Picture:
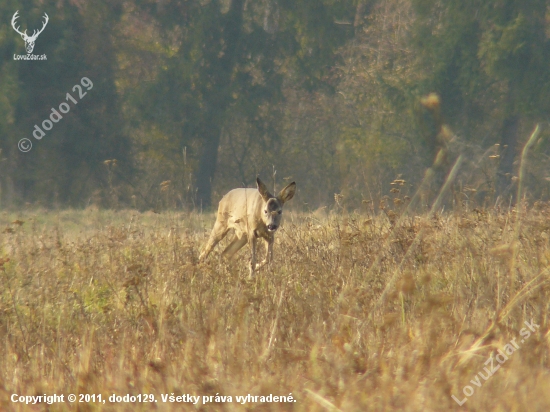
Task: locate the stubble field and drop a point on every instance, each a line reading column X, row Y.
column 356, row 313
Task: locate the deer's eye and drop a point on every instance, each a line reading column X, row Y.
column 280, row 212
column 265, row 211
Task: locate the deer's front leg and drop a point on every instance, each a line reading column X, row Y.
column 252, row 242
column 268, row 253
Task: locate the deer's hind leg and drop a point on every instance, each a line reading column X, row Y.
column 218, row 233
column 236, row 244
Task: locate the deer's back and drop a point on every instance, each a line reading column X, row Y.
column 241, row 208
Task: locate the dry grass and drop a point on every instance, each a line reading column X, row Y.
column 114, row 303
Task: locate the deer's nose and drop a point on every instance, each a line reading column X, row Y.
column 272, row 227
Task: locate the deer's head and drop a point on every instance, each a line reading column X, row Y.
column 273, row 206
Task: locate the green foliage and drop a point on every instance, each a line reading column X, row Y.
column 505, row 49
column 208, row 94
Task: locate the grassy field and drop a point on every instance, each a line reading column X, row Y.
column 356, row 313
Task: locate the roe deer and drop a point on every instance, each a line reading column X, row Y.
column 252, row 214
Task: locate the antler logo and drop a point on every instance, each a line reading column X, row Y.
column 29, row 40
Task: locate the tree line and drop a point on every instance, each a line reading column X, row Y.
column 191, row 98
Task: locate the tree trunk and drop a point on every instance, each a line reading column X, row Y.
column 218, row 100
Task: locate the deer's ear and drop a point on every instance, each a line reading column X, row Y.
column 287, row 193
column 262, row 188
